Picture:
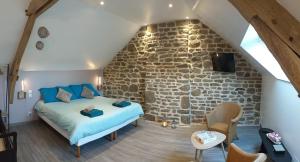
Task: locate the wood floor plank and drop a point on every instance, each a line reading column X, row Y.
column 146, row 143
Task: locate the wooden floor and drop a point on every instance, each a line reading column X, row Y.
column 37, row 142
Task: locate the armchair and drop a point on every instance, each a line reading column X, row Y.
column 224, row 118
column 235, row 154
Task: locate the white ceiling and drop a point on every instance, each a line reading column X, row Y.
column 147, row 11
column 86, row 35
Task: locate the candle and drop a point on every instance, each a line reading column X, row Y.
column 164, row 123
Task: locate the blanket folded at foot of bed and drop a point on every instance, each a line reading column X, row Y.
column 92, row 113
column 121, row 104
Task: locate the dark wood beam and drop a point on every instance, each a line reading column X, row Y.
column 276, row 17
column 35, row 9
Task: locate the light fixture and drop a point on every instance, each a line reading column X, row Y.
column 22, row 86
column 99, row 84
column 187, row 17
column 22, row 93
column 170, row 5
column 101, row 3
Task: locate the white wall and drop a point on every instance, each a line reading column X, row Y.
column 280, row 111
column 38, row 79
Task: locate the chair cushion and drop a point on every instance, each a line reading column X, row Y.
column 219, row 127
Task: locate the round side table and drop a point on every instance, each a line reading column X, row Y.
column 201, row 147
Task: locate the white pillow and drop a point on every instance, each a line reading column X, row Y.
column 64, row 95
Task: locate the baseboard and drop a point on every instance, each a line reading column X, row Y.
column 22, row 123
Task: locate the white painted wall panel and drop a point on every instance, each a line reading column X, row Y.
column 280, row 111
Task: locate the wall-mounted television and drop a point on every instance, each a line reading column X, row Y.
column 223, row 62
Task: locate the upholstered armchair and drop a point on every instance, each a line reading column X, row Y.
column 235, row 154
column 224, row 118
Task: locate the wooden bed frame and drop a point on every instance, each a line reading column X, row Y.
column 112, row 131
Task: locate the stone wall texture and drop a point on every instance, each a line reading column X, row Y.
column 167, row 68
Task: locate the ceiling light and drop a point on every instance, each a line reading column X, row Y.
column 101, row 3
column 170, row 5
column 187, row 17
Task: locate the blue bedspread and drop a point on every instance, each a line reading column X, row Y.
column 67, row 116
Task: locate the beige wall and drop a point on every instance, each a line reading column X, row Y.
column 35, row 80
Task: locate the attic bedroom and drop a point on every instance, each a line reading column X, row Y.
column 149, row 80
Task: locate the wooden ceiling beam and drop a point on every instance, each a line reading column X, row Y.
column 44, row 8
column 35, row 9
column 279, row 30
column 276, row 17
column 34, row 6
column 289, row 61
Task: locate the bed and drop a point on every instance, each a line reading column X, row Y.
column 66, row 119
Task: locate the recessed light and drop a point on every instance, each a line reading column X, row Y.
column 187, row 17
column 170, row 5
column 101, row 3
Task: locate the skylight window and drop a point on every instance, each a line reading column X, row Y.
column 259, row 51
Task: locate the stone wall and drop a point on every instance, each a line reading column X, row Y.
column 167, row 68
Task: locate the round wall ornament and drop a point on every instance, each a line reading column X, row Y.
column 43, row 32
column 39, row 45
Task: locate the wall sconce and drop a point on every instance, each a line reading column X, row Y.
column 99, row 83
column 22, row 93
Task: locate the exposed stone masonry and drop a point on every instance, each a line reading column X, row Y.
column 167, row 68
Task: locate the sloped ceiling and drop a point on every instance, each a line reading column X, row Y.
column 82, row 36
column 12, row 20
column 86, row 35
column 225, row 19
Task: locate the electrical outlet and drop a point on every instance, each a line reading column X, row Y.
column 29, row 114
column 30, row 93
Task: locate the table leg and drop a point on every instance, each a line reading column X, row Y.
column 223, row 150
column 200, row 155
column 196, row 153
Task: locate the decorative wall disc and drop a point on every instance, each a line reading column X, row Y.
column 43, row 32
column 39, row 45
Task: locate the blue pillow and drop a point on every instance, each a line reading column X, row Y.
column 91, row 87
column 68, row 89
column 77, row 89
column 49, row 94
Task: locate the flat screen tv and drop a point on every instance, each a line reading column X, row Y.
column 223, row 62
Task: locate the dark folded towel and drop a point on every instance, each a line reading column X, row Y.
column 92, row 113
column 121, row 104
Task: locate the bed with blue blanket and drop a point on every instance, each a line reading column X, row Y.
column 79, row 129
